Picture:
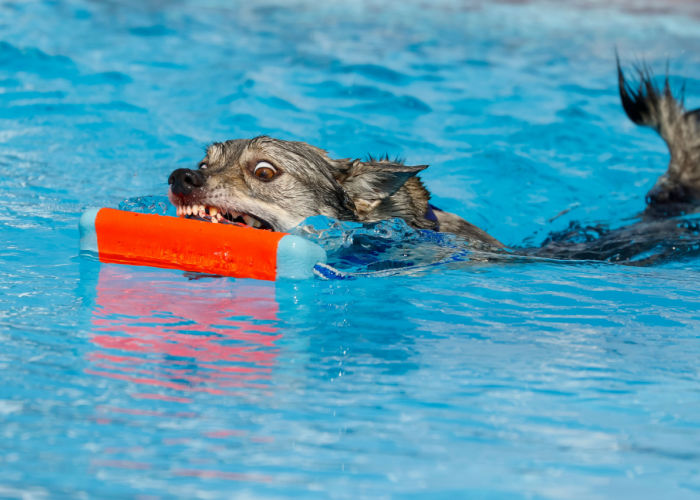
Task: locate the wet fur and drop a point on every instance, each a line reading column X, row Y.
column 311, row 183
column 658, row 234
column 678, row 190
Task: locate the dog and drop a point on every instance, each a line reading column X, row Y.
column 276, row 184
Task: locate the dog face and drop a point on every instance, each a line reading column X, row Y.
column 274, row 184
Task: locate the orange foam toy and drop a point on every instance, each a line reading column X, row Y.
column 122, row 237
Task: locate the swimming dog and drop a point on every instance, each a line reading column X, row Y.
column 275, row 184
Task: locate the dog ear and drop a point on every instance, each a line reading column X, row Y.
column 369, row 183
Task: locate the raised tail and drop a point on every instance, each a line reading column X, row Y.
column 678, row 190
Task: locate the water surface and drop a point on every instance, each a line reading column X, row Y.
column 527, row 380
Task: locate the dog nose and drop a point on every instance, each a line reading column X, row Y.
column 183, row 180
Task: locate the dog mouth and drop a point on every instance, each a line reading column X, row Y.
column 221, row 215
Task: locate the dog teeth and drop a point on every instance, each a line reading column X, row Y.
column 250, row 221
column 216, row 214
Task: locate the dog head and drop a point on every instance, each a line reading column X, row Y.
column 275, row 184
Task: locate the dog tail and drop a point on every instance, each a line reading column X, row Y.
column 659, row 109
column 650, row 106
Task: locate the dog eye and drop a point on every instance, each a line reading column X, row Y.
column 203, row 165
column 264, row 171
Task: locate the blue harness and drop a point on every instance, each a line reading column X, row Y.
column 430, row 215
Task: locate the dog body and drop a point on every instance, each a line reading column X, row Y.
column 275, row 184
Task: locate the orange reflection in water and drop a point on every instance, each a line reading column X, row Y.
column 176, row 337
column 170, row 340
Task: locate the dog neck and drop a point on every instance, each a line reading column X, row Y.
column 410, row 202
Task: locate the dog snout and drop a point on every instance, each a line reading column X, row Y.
column 184, row 180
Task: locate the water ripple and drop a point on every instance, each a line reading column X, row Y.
column 523, row 378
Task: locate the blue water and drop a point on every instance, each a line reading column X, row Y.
column 505, row 380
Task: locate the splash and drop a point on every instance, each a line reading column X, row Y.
column 386, row 248
column 159, row 205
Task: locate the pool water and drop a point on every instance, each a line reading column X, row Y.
column 536, row 379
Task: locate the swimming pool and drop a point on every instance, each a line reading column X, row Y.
column 530, row 380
